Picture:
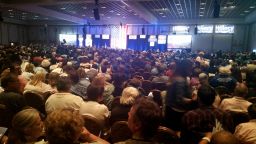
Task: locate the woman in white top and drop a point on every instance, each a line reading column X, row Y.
column 37, row 84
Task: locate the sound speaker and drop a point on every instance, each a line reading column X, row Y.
column 216, row 10
column 196, row 30
column 96, row 14
column 143, row 31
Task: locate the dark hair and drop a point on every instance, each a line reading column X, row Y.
column 183, row 67
column 63, row 83
column 206, row 95
column 94, row 91
column 148, row 114
column 252, row 111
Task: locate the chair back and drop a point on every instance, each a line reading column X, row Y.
column 35, row 100
column 5, row 116
column 92, row 124
column 166, row 136
column 120, row 131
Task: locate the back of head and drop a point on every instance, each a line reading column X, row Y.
column 252, row 111
column 38, row 77
column 63, row 84
column 203, row 78
column 147, row 113
column 94, row 92
column 183, row 67
column 8, row 82
column 241, row 90
column 206, row 95
column 63, row 126
column 224, row 137
column 129, row 95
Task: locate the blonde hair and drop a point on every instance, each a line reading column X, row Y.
column 63, row 126
column 25, row 119
column 37, row 78
column 129, row 95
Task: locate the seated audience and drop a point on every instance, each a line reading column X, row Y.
column 203, row 119
column 29, row 72
column 66, row 127
column 37, row 84
column 27, row 127
column 81, row 84
column 143, row 121
column 238, row 102
column 246, row 132
column 63, row 98
column 121, row 108
column 93, row 107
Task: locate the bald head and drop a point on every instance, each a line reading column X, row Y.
column 224, row 137
column 241, row 90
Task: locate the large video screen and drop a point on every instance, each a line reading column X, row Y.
column 161, row 39
column 67, row 39
column 179, row 41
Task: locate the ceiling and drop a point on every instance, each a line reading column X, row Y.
column 123, row 11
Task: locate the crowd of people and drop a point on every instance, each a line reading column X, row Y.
column 203, row 97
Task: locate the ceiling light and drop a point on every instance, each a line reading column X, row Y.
column 10, row 10
column 225, row 7
column 10, row 13
column 24, row 13
column 63, row 8
column 124, row 17
column 202, row 3
column 84, row 7
column 36, row 16
column 252, row 7
column 163, row 16
column 177, row 4
column 111, row 11
column 135, row 14
column 91, row 17
column 232, row 6
column 161, row 13
column 103, row 7
column 83, row 15
column 246, row 11
column 201, row 15
column 118, row 14
column 202, row 8
column 108, row 17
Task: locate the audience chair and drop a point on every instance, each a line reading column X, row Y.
column 93, row 125
column 35, row 100
column 239, row 117
column 120, row 131
column 5, row 116
column 165, row 135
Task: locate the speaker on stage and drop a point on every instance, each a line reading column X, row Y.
column 216, row 10
column 143, row 31
column 96, row 14
column 196, row 30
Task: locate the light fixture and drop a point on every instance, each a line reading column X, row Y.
column 36, row 16
column 252, row 7
column 103, row 7
column 232, row 6
column 91, row 17
column 161, row 13
column 111, row 11
column 124, row 17
column 84, row 7
column 83, row 15
column 225, row 7
column 63, row 8
column 10, row 10
column 108, row 17
column 135, row 14
column 118, row 14
column 246, row 11
column 201, row 15
column 24, row 13
column 163, row 16
column 177, row 4
column 202, row 3
column 202, row 8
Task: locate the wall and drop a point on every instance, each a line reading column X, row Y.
column 12, row 33
column 243, row 39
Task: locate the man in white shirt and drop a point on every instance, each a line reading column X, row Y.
column 63, row 98
column 92, row 106
column 237, row 103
